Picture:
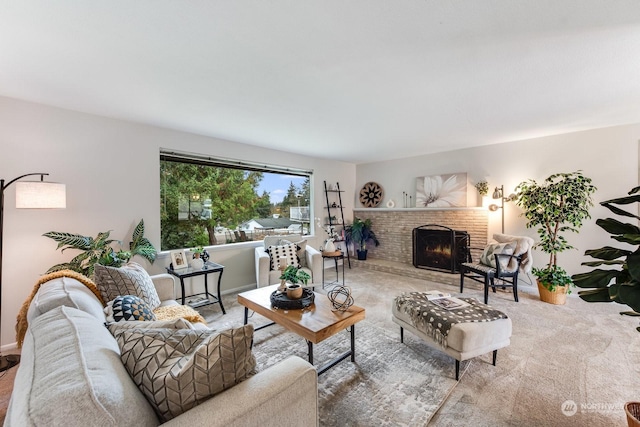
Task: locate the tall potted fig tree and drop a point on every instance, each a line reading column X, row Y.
column 557, row 205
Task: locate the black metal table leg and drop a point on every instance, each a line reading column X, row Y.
column 219, row 296
column 182, row 286
column 310, row 345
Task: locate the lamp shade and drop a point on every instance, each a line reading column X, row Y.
column 40, row 195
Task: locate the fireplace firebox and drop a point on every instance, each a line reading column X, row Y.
column 436, row 247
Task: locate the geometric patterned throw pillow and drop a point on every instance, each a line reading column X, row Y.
column 130, row 279
column 284, row 251
column 506, row 264
column 177, row 369
column 128, row 307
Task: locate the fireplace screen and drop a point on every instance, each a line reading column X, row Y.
column 436, row 247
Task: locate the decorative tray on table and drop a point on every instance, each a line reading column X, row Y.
column 280, row 300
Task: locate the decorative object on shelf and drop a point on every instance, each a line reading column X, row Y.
column 438, row 191
column 406, row 199
column 98, row 250
column 498, row 193
column 360, row 233
column 205, row 255
column 340, row 298
column 558, row 204
column 619, row 283
column 178, row 260
column 282, row 301
column 391, row 204
column 29, row 195
column 482, row 187
column 371, row 195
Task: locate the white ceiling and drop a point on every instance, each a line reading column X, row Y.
column 353, row 80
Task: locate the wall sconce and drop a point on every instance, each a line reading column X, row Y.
column 498, row 193
column 29, row 195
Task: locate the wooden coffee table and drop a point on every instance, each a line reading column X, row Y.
column 314, row 323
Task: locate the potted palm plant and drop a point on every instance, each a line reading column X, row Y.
column 557, row 205
column 621, row 281
column 360, row 233
column 100, row 250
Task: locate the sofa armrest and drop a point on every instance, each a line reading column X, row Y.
column 263, row 262
column 264, row 399
column 314, row 263
column 165, row 286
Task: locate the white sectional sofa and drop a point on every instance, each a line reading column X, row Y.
column 71, row 374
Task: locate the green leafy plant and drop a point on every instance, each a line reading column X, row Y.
column 558, row 205
column 100, row 250
column 198, row 250
column 482, row 187
column 294, row 275
column 621, row 283
column 360, row 233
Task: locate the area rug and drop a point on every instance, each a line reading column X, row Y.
column 390, row 384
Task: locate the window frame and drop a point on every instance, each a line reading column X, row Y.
column 244, row 165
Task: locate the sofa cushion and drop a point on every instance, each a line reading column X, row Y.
column 289, row 252
column 130, row 279
column 65, row 291
column 177, row 369
column 71, row 372
column 128, row 307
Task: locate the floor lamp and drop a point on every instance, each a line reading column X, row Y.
column 498, row 193
column 29, row 195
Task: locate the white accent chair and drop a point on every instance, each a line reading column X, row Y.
column 312, row 262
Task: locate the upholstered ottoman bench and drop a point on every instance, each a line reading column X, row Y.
column 462, row 333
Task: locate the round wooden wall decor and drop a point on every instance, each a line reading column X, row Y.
column 371, row 195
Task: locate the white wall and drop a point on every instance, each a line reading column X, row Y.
column 111, row 169
column 609, row 156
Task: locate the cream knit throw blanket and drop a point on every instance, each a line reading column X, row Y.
column 162, row 313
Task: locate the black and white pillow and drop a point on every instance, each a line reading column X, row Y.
column 289, row 252
column 128, row 307
column 301, row 248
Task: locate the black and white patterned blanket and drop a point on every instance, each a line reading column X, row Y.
column 437, row 321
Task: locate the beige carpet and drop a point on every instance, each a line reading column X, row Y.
column 582, row 353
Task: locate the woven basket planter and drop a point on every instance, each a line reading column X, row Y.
column 558, row 297
column 632, row 410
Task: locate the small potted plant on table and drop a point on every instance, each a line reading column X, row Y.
column 557, row 205
column 294, row 276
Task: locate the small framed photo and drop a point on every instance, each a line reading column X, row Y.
column 179, row 259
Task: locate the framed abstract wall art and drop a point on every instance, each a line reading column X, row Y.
column 441, row 191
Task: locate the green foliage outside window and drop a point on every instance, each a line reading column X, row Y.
column 198, row 201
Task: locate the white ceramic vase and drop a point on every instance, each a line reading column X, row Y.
column 197, row 263
column 329, row 246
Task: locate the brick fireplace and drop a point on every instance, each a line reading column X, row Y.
column 394, row 228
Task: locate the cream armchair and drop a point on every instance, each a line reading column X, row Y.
column 312, row 262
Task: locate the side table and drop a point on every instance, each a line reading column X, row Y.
column 335, row 256
column 208, row 268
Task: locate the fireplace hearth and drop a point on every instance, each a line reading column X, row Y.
column 436, row 247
